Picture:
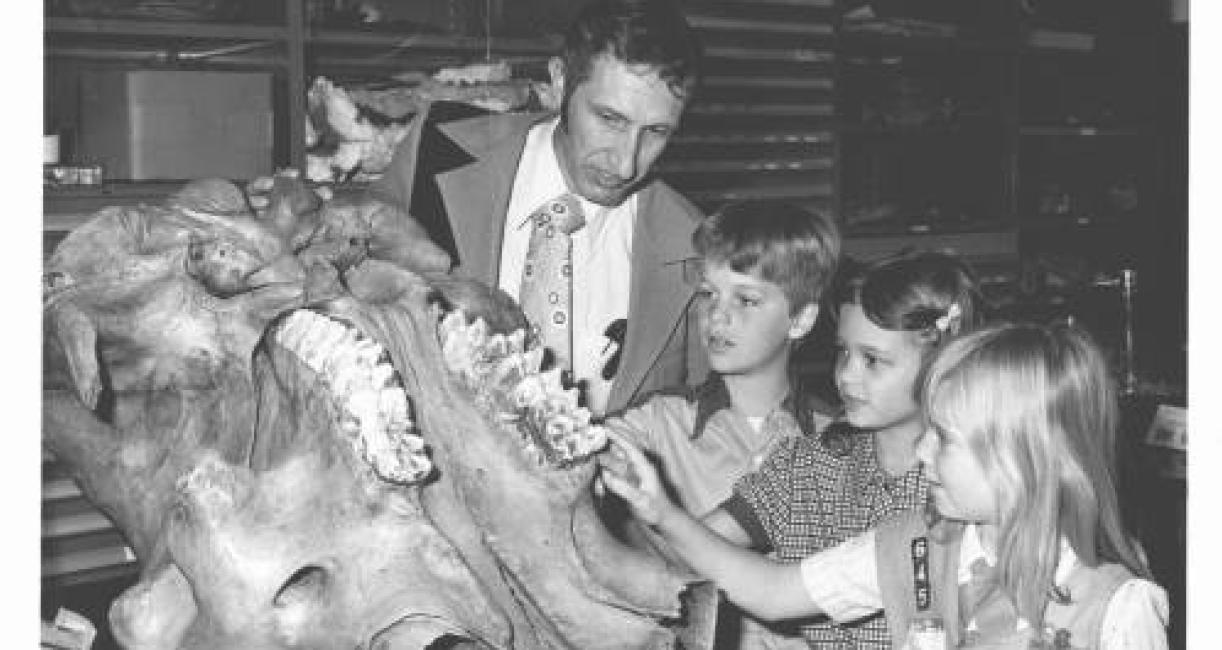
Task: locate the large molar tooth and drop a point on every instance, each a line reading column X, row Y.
column 294, row 327
column 340, row 352
column 415, row 467
column 351, row 369
column 374, row 414
column 363, row 404
column 392, row 404
column 516, row 341
column 478, row 333
column 347, row 377
column 309, row 348
column 332, row 338
column 319, row 344
column 349, row 425
column 451, row 323
column 381, row 374
column 367, row 351
column 408, row 440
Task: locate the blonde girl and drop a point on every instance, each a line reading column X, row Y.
column 1024, row 526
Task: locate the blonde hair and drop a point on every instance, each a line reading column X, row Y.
column 1038, row 409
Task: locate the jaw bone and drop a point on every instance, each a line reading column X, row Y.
column 373, row 406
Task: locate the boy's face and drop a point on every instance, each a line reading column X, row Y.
column 875, row 372
column 745, row 321
column 616, row 124
column 959, row 484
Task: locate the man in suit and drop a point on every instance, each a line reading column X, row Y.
column 625, row 76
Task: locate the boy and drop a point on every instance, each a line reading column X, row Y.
column 764, row 266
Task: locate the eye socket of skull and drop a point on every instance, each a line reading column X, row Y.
column 306, row 584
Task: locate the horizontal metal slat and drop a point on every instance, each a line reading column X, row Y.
column 731, row 165
column 80, row 561
column 812, row 190
column 748, row 4
column 972, row 244
column 60, row 488
column 740, row 81
column 76, row 524
column 810, row 110
column 788, row 137
column 769, row 54
column 448, row 43
column 167, row 29
column 722, row 23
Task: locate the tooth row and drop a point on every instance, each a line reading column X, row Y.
column 552, row 423
column 374, row 407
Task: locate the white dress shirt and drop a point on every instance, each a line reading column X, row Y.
column 602, row 251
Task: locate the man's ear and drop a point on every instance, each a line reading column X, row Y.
column 801, row 323
column 555, row 71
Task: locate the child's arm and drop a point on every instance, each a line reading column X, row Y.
column 725, row 525
column 763, row 587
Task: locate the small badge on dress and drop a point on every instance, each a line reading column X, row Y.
column 925, row 632
column 920, row 573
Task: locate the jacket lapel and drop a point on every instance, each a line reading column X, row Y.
column 661, row 255
column 476, row 195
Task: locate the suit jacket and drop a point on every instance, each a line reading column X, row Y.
column 454, row 172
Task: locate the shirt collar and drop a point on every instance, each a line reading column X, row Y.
column 539, row 157
column 713, row 396
column 540, row 162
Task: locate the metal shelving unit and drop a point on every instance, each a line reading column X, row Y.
column 760, row 126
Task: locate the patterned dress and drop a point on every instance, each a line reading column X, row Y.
column 814, row 492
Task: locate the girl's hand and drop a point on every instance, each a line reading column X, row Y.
column 627, row 472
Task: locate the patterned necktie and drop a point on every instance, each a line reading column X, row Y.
column 547, row 277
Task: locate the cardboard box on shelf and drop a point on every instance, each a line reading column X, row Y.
column 176, row 124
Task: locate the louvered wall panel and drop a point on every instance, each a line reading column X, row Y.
column 762, row 123
column 79, row 544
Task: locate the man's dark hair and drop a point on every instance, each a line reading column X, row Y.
column 645, row 32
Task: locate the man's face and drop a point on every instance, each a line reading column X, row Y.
column 616, row 124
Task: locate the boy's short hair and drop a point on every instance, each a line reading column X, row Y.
column 789, row 246
column 653, row 33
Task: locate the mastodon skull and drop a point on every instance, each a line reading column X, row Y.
column 314, row 436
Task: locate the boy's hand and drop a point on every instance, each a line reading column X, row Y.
column 627, row 472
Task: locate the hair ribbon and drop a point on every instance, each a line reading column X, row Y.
column 949, row 319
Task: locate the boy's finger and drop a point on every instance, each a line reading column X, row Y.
column 616, row 484
column 621, row 442
column 629, row 493
column 612, row 464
